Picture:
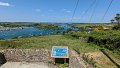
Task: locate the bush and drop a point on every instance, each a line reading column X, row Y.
column 65, row 65
column 109, row 39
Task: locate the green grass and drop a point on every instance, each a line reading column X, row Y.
column 48, row 42
column 83, row 25
column 89, row 24
column 114, row 56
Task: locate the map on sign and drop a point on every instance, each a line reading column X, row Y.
column 59, row 52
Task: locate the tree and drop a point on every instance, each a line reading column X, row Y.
column 68, row 30
column 112, row 21
column 117, row 18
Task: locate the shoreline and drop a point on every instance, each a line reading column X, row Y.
column 10, row 28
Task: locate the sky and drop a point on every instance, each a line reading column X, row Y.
column 57, row 11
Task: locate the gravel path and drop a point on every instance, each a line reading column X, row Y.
column 24, row 65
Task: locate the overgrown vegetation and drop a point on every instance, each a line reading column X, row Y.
column 108, row 39
column 47, row 26
column 116, row 20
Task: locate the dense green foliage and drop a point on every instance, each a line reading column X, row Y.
column 109, row 39
column 47, row 26
column 116, row 27
column 116, row 20
column 77, row 34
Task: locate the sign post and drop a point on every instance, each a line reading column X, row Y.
column 60, row 52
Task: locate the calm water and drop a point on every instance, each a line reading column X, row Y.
column 30, row 31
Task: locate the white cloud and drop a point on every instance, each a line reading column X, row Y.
column 37, row 10
column 4, row 4
column 68, row 11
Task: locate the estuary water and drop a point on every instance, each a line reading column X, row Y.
column 31, row 31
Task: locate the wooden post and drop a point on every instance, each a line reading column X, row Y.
column 49, row 54
column 54, row 60
column 64, row 60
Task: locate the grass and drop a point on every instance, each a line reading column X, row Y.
column 89, row 24
column 48, row 42
column 62, row 40
column 114, row 56
column 86, row 24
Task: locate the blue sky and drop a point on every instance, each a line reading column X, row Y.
column 55, row 10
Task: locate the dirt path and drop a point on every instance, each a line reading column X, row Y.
column 24, row 65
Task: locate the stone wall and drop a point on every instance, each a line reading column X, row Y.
column 26, row 55
column 39, row 55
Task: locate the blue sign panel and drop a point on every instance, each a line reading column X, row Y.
column 60, row 52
